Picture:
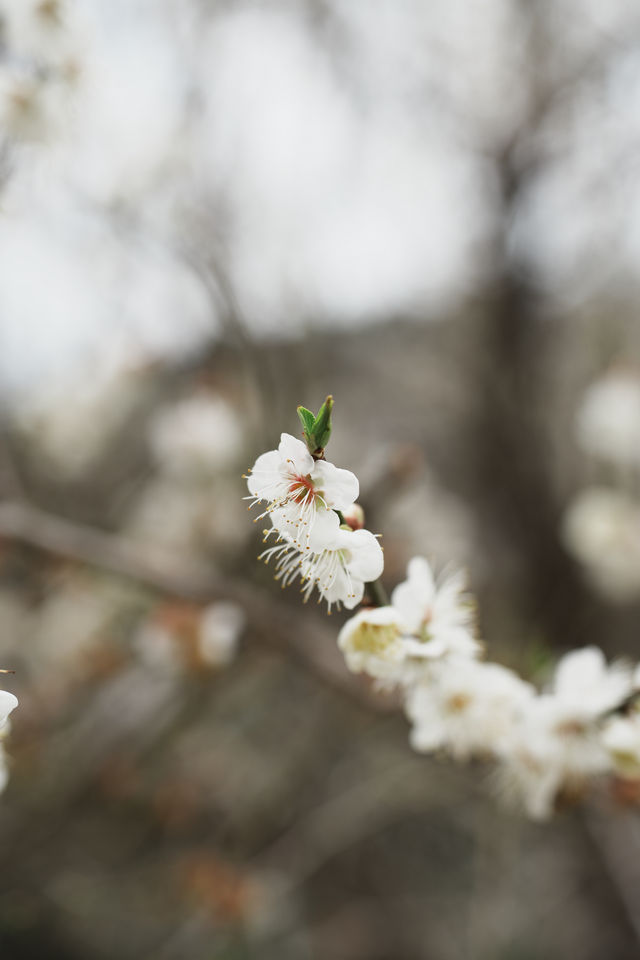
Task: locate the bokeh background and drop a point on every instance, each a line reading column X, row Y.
column 213, row 211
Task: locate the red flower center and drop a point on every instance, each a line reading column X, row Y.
column 301, row 488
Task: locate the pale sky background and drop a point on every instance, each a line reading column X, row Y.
column 337, row 157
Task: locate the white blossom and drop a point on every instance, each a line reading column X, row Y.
column 621, row 737
column 558, row 741
column 198, row 434
column 8, row 702
column 438, row 618
column 601, row 528
column 339, row 570
column 424, row 624
column 585, row 686
column 468, row 707
column 302, row 490
column 372, row 643
column 608, row 422
column 219, row 632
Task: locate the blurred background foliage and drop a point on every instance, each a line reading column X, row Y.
column 210, row 213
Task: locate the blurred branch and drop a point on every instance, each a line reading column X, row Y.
column 617, row 842
column 29, row 525
column 10, row 479
column 361, row 811
column 271, row 622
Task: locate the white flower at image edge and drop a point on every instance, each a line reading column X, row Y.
column 301, row 490
column 438, row 618
column 4, row 769
column 621, row 737
column 608, row 421
column 559, row 741
column 8, row 702
column 339, row 571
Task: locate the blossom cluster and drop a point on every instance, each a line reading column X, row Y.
column 39, row 67
column 543, row 743
column 306, row 500
column 601, row 525
column 423, row 643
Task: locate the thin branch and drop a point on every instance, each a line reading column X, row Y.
column 271, row 622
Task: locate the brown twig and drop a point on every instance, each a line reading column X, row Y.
column 271, row 622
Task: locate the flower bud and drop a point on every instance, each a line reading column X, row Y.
column 354, row 516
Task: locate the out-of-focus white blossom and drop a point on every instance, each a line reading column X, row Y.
column 198, row 435
column 585, row 686
column 439, row 618
column 67, row 625
column 608, row 421
column 621, row 737
column 424, row 624
column 468, row 707
column 71, row 426
column 219, row 631
column 301, row 493
column 157, row 647
column 8, row 702
column 42, row 31
column 372, row 643
column 558, row 741
column 601, row 528
column 41, row 61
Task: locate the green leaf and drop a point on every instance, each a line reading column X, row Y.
column 307, row 419
column 321, row 430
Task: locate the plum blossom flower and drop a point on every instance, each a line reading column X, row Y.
column 219, row 632
column 601, row 528
column 339, row 570
column 469, row 707
column 621, row 737
column 424, row 624
column 608, row 422
column 585, row 686
column 437, row 618
column 558, row 741
column 372, row 643
column 300, row 492
column 198, row 435
column 8, row 702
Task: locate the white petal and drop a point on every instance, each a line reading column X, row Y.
column 579, row 669
column 266, row 475
column 7, row 703
column 317, row 535
column 339, row 487
column 425, row 651
column 324, row 529
column 420, row 575
column 295, row 453
column 429, row 730
column 339, row 590
column 367, row 559
column 414, row 596
column 357, row 593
